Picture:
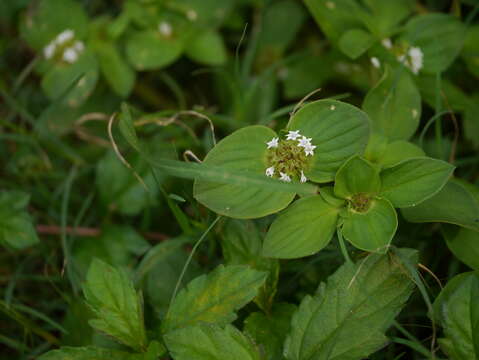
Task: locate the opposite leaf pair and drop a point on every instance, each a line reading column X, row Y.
column 361, row 204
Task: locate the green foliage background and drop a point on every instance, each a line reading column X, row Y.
column 116, row 243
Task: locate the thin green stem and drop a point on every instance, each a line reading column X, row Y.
column 342, row 246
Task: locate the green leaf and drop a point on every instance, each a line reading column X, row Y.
column 117, row 306
column 394, row 105
column 339, row 130
column 398, row 151
column 127, row 127
column 356, row 176
column 386, row 15
column 120, row 189
column 269, row 330
column 119, row 75
column 302, row 229
column 150, row 50
column 454, row 204
column 347, row 317
column 413, row 181
column 79, row 79
column 470, row 50
column 463, row 243
column 242, row 243
column 458, row 311
column 48, row 18
column 335, row 17
column 242, row 151
column 214, row 298
column 95, row 353
column 210, row 342
column 355, row 42
column 16, row 226
column 207, row 48
column 471, row 122
column 373, row 229
column 439, row 36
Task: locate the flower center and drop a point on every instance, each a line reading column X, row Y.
column 360, row 202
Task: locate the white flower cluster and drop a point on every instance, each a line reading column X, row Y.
column 165, row 29
column 413, row 59
column 71, row 53
column 303, row 142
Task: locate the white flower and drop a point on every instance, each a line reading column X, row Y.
column 387, row 43
column 192, row 15
column 65, row 36
column 79, row 46
column 309, row 150
column 416, row 56
column 70, row 55
column 49, row 50
column 304, row 142
column 375, row 62
column 293, row 135
column 165, row 29
column 270, row 171
column 284, row 177
column 273, row 143
column 303, row 177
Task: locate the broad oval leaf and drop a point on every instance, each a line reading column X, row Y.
column 357, row 175
column 464, row 244
column 210, row 342
column 372, row 230
column 355, row 42
column 302, row 229
column 394, row 105
column 148, row 50
column 413, row 181
column 242, row 151
column 347, row 317
column 439, row 36
column 207, row 48
column 338, row 130
column 398, row 151
column 457, row 309
column 454, row 204
column 214, row 298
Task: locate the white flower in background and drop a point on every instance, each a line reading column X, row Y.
column 293, row 135
column 49, row 50
column 70, row 55
column 413, row 59
column 65, row 36
column 165, row 29
column 192, row 15
column 303, row 177
column 270, row 171
column 387, row 43
column 284, row 177
column 79, row 46
column 273, row 143
column 375, row 62
column 309, row 150
column 416, row 55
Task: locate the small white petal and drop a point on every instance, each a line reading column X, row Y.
column 165, row 29
column 303, row 177
column 284, row 177
column 70, row 55
column 304, row 142
column 270, row 171
column 273, row 143
column 65, row 36
column 293, row 135
column 387, row 43
column 309, row 150
column 49, row 50
column 375, row 62
column 332, row 107
column 416, row 57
